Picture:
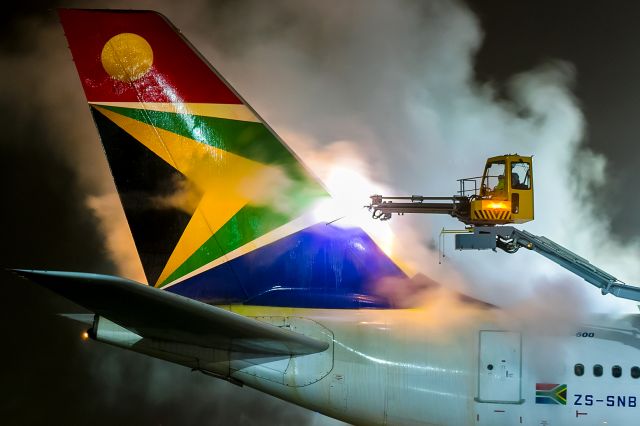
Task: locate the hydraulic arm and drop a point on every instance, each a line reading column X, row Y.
column 384, row 207
column 511, row 239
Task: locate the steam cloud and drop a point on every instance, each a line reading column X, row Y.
column 396, row 81
column 117, row 236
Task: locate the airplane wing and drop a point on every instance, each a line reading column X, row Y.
column 154, row 313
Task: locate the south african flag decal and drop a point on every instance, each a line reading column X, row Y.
column 551, row 393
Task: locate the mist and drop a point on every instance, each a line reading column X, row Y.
column 385, row 88
column 396, row 87
column 397, row 83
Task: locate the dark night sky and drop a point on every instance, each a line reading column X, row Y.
column 600, row 39
column 48, row 373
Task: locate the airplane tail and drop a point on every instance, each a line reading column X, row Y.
column 220, row 209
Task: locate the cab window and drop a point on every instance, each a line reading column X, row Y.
column 520, row 175
column 493, row 180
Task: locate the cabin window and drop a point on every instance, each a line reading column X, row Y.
column 616, row 371
column 578, row 369
column 520, row 175
column 635, row 372
column 493, row 180
column 597, row 370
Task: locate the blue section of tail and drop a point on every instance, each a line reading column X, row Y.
column 323, row 266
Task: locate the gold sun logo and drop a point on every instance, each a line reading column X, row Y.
column 127, row 57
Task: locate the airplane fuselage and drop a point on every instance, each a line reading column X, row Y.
column 414, row 367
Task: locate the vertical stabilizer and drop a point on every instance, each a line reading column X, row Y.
column 219, row 208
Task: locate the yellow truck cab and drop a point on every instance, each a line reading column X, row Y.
column 506, row 191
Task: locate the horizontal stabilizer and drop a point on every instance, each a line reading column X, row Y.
column 86, row 319
column 158, row 314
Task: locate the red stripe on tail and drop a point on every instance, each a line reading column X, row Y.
column 177, row 72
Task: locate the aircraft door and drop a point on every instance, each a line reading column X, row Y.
column 499, row 367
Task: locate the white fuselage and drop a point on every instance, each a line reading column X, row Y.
column 398, row 367
column 423, row 367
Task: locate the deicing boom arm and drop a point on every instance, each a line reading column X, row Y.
column 383, row 207
column 511, row 239
column 606, row 282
